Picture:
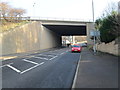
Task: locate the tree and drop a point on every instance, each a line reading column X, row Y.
column 109, row 25
column 4, row 9
column 16, row 13
column 8, row 11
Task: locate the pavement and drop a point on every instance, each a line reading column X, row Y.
column 96, row 71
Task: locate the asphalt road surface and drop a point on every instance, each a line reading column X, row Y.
column 50, row 69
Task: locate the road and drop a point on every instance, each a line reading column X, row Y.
column 50, row 69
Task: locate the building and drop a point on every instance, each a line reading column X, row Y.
column 73, row 39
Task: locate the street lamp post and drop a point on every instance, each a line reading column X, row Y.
column 34, row 9
column 94, row 30
column 93, row 10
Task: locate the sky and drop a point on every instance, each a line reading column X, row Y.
column 61, row 9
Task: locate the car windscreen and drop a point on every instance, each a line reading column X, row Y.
column 75, row 46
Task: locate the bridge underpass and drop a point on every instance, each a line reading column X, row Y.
column 67, row 30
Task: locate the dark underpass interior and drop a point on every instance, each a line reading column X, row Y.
column 67, row 30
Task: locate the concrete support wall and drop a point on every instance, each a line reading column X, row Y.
column 29, row 37
column 90, row 26
column 49, row 39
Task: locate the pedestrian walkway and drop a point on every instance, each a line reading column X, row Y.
column 96, row 71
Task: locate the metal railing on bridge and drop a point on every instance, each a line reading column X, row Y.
column 43, row 18
column 60, row 19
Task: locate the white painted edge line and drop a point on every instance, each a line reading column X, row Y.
column 13, row 68
column 5, row 65
column 75, row 78
column 42, row 58
column 29, row 61
column 31, row 68
column 53, row 57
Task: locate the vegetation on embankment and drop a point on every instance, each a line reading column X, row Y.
column 6, row 26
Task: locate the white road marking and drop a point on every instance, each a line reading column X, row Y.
column 30, row 56
column 62, row 53
column 29, row 61
column 31, row 68
column 53, row 57
column 42, row 58
column 13, row 68
column 5, row 65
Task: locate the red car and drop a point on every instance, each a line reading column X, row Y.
column 76, row 48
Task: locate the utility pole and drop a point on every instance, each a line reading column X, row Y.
column 94, row 30
column 34, row 9
column 93, row 10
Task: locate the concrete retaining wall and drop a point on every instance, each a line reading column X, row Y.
column 90, row 26
column 111, row 48
column 29, row 37
column 49, row 39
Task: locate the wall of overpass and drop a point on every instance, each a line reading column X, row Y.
column 29, row 37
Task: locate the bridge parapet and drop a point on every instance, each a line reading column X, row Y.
column 57, row 22
column 60, row 19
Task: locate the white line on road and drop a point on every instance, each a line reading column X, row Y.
column 53, row 57
column 13, row 68
column 75, row 77
column 5, row 65
column 42, row 58
column 62, row 53
column 29, row 61
column 31, row 68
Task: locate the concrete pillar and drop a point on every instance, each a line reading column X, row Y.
column 90, row 26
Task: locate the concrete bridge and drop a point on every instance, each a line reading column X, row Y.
column 41, row 34
column 69, row 28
